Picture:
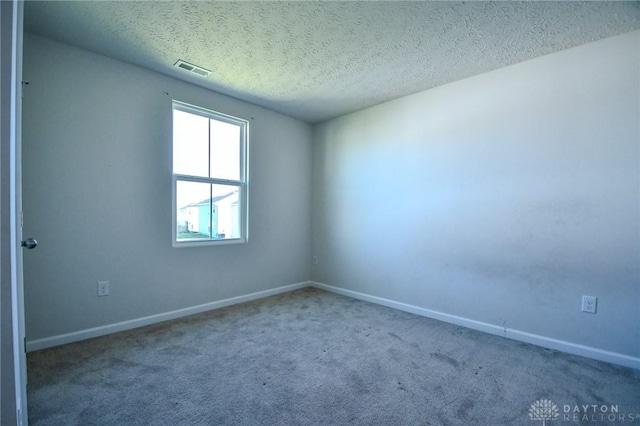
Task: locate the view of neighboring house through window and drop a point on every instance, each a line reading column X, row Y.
column 209, row 176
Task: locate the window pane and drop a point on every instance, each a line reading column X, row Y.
column 190, row 144
column 225, row 150
column 226, row 211
column 193, row 211
column 207, row 211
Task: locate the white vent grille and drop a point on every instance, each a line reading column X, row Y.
column 202, row 72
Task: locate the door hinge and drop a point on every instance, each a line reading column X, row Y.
column 21, row 219
column 25, row 344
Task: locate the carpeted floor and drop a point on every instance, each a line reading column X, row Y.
column 315, row 358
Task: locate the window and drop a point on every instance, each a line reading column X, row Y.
column 209, row 177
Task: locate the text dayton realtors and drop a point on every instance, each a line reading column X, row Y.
column 596, row 413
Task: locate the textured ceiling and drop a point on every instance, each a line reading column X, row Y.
column 318, row 60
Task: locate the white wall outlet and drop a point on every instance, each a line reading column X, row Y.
column 314, row 260
column 103, row 288
column 589, row 304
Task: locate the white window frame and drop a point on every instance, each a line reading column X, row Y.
column 242, row 183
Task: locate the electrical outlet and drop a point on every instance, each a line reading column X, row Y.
column 103, row 288
column 589, row 304
column 314, row 260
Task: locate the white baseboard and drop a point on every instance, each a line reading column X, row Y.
column 521, row 336
column 77, row 336
column 547, row 342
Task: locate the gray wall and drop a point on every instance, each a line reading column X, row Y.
column 501, row 198
column 97, row 195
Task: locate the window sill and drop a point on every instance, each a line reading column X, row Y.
column 208, row 243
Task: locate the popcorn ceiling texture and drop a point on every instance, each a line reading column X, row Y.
column 319, row 60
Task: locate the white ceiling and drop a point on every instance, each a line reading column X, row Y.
column 317, row 60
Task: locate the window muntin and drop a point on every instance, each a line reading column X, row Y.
column 209, row 177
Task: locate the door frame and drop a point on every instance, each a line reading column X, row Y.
column 15, row 159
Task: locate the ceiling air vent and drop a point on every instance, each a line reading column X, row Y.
column 202, row 72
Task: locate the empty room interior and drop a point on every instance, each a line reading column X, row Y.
column 435, row 218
